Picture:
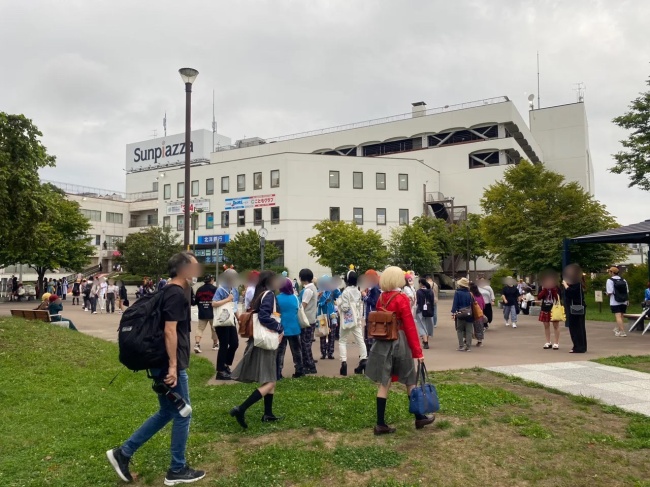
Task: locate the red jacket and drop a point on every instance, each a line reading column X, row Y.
column 401, row 305
column 549, row 294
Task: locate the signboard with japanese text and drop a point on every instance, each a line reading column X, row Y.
column 244, row 202
column 178, row 207
column 212, row 239
column 599, row 296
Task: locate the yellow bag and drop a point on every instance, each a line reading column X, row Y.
column 557, row 312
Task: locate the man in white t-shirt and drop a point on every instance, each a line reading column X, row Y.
column 488, row 296
column 617, row 288
column 253, row 277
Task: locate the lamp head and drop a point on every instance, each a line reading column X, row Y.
column 188, row 74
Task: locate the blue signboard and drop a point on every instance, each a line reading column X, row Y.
column 212, row 239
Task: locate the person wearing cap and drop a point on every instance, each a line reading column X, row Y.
column 55, row 307
column 464, row 326
column 253, row 278
column 617, row 287
column 203, row 299
column 510, row 297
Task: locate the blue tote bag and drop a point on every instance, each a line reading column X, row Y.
column 424, row 397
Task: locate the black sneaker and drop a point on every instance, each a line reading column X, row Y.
column 120, row 463
column 223, row 376
column 185, row 475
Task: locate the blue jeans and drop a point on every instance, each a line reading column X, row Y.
column 510, row 312
column 166, row 413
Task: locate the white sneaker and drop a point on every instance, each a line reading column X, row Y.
column 507, row 324
column 622, row 334
column 215, row 347
column 617, row 333
column 514, row 325
column 197, row 348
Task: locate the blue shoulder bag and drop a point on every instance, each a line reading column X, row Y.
column 424, row 397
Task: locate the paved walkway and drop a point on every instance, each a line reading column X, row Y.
column 625, row 388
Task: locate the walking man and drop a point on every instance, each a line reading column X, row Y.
column 510, row 297
column 183, row 267
column 309, row 301
column 619, row 295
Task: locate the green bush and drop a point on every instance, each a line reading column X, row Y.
column 637, row 279
column 496, row 281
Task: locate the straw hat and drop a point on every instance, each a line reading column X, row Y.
column 463, row 282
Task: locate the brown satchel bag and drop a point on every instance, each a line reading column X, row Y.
column 246, row 324
column 383, row 325
column 476, row 310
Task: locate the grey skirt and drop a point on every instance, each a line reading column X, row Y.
column 425, row 325
column 257, row 365
column 391, row 358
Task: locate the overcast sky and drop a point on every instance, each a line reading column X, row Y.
column 97, row 75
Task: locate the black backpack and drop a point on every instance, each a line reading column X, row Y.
column 620, row 290
column 141, row 335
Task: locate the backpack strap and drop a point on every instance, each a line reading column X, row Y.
column 381, row 298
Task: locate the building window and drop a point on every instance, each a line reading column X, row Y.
column 403, row 217
column 112, row 241
column 275, row 215
column 335, row 177
column 180, row 223
column 209, row 186
column 98, row 239
column 335, row 213
column 357, row 215
column 241, row 182
column 167, row 221
column 152, row 220
column 275, row 178
column 113, row 217
column 167, row 191
column 241, row 218
column 381, row 180
column 225, row 219
column 225, row 184
column 209, row 221
column 195, row 188
column 257, row 180
column 357, row 180
column 403, row 182
column 92, row 215
column 257, row 216
column 381, row 216
column 180, row 190
column 154, row 187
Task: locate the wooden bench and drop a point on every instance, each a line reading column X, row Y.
column 638, row 320
column 38, row 315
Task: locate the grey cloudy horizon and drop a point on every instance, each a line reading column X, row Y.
column 95, row 76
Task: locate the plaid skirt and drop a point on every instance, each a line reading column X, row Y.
column 257, row 365
column 389, row 360
column 544, row 316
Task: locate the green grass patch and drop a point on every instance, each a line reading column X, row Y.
column 362, row 459
column 639, row 363
column 461, row 432
column 466, row 400
column 443, row 424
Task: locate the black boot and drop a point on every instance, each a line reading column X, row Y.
column 344, row 369
column 362, row 367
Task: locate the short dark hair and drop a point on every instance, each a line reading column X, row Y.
column 178, row 261
column 423, row 282
column 351, row 278
column 306, row 275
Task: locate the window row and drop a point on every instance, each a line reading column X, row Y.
column 258, row 218
column 96, row 216
column 225, row 185
column 380, row 180
column 357, row 215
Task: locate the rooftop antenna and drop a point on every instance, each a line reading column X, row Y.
column 154, row 133
column 580, row 91
column 539, row 96
column 531, row 103
column 214, row 121
column 165, row 123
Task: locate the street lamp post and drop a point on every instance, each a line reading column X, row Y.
column 263, row 233
column 188, row 75
column 195, row 223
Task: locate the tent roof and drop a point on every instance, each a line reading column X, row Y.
column 636, row 233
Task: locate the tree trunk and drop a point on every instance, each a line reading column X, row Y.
column 40, row 271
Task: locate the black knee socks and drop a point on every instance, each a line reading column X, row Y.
column 381, row 411
column 268, row 405
column 252, row 399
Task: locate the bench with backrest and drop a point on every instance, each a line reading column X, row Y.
column 638, row 320
column 38, row 315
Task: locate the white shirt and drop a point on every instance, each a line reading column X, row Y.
column 248, row 297
column 488, row 294
column 113, row 289
column 610, row 291
column 307, row 294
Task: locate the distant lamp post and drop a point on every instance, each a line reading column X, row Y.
column 188, row 75
column 263, row 233
column 195, row 224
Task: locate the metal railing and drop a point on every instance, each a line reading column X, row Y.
column 91, row 192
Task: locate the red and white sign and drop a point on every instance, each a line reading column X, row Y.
column 178, row 207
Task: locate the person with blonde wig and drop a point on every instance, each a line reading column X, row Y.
column 392, row 361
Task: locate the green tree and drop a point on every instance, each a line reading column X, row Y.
column 243, row 251
column 438, row 232
column 411, row 249
column 467, row 236
column 60, row 238
column 339, row 244
column 147, row 252
column 23, row 204
column 635, row 161
column 531, row 211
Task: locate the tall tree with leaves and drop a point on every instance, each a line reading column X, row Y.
column 635, row 160
column 411, row 248
column 60, row 238
column 23, row 204
column 531, row 211
column 147, row 252
column 467, row 238
column 243, row 251
column 339, row 244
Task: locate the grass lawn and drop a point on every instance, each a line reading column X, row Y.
column 59, row 415
column 638, row 362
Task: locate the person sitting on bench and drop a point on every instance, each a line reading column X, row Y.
column 55, row 309
column 45, row 303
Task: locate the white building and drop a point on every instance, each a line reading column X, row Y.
column 378, row 173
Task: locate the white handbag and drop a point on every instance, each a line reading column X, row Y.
column 302, row 316
column 263, row 337
column 224, row 316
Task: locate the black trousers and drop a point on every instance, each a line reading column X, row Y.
column 296, row 353
column 487, row 311
column 110, row 302
column 228, row 345
column 578, row 332
column 306, row 337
